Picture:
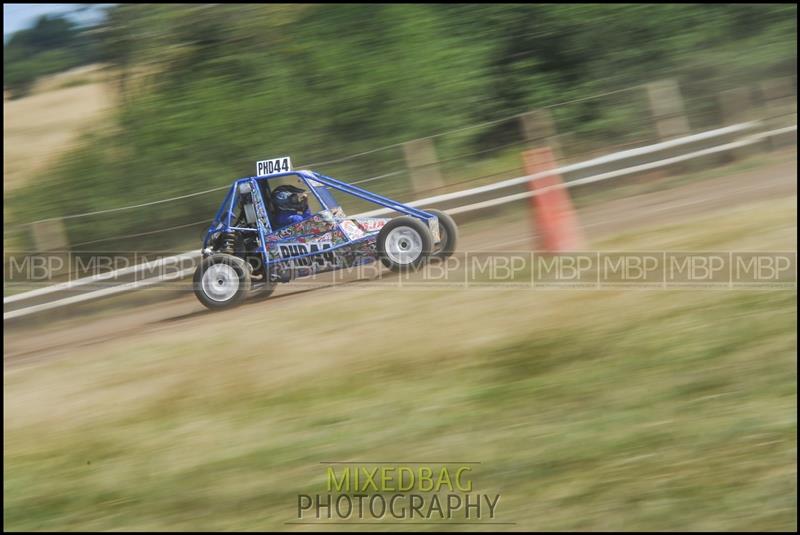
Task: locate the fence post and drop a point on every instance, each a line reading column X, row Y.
column 736, row 106
column 423, row 164
column 780, row 108
column 667, row 107
column 50, row 236
column 669, row 114
column 539, row 128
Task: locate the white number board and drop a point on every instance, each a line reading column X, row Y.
column 274, row 165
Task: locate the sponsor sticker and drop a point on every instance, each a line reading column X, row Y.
column 298, row 249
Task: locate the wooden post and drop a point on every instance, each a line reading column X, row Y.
column 669, row 115
column 780, row 108
column 780, row 99
column 736, row 106
column 50, row 236
column 538, row 128
column 423, row 164
column 667, row 107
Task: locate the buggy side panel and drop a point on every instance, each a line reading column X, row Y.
column 314, row 226
column 299, row 241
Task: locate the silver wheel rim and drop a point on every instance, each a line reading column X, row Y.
column 403, row 245
column 220, row 282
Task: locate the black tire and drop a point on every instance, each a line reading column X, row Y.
column 448, row 231
column 260, row 287
column 404, row 230
column 237, row 279
column 264, row 291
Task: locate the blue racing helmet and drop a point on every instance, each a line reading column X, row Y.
column 291, row 198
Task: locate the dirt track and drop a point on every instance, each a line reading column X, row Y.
column 26, row 344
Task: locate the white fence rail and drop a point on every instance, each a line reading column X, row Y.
column 596, row 162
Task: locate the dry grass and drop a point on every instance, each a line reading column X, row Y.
column 39, row 127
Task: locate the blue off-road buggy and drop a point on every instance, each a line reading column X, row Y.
column 246, row 251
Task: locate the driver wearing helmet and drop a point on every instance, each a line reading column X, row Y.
column 291, row 205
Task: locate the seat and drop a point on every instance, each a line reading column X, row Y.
column 270, row 206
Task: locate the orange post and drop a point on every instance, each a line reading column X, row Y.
column 553, row 215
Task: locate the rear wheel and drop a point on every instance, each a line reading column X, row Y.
column 448, row 234
column 221, row 281
column 404, row 243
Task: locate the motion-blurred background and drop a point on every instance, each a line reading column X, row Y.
column 194, row 94
column 588, row 410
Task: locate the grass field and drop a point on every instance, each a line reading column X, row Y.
column 37, row 128
column 600, row 410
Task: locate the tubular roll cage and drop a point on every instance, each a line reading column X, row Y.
column 222, row 219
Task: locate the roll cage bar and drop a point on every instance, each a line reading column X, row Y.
column 223, row 219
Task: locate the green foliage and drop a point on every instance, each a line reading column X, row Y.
column 207, row 90
column 52, row 45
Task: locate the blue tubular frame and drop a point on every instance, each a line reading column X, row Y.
column 371, row 197
column 222, row 220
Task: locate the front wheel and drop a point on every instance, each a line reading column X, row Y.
column 448, row 234
column 404, row 243
column 221, row 281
